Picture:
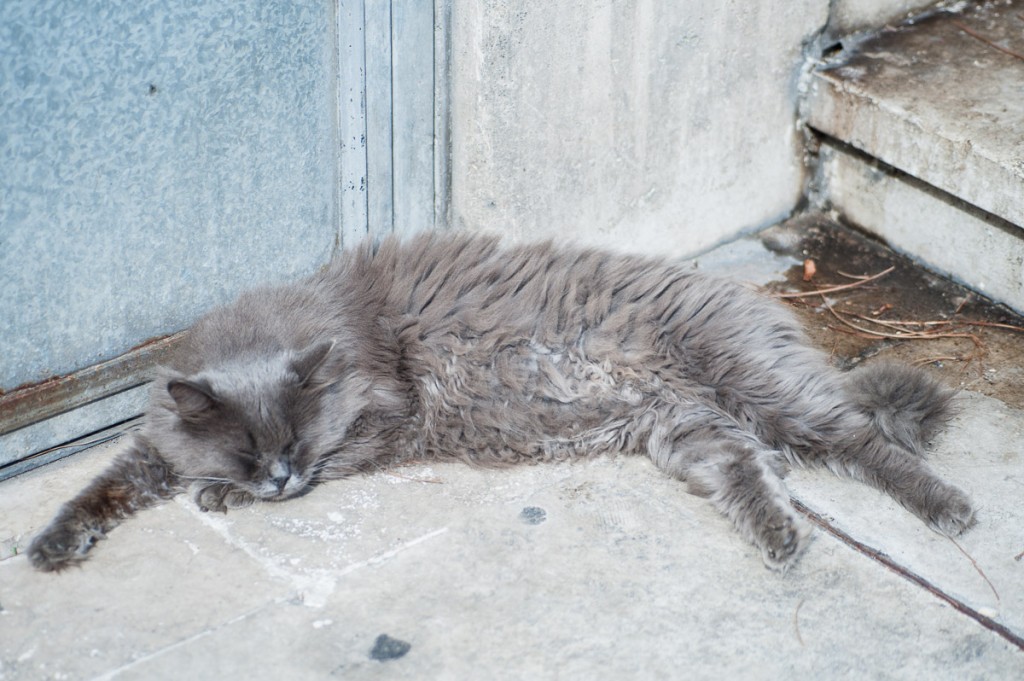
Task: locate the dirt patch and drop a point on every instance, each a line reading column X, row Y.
column 880, row 317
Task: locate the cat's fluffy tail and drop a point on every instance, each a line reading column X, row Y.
column 905, row 403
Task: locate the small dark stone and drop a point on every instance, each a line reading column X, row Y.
column 387, row 648
column 533, row 515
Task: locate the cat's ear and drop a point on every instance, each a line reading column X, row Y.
column 309, row 360
column 194, row 399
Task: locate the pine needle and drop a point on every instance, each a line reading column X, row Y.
column 835, row 289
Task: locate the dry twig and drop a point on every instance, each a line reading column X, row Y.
column 946, row 322
column 976, row 567
column 835, row 289
column 900, row 322
column 848, row 332
column 916, row 330
column 852, row 276
column 796, row 622
column 996, row 325
column 978, row 36
column 896, row 329
column 899, row 335
column 941, row 358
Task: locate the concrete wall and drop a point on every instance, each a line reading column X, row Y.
column 849, row 16
column 652, row 125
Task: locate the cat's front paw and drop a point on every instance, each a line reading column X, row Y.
column 782, row 539
column 236, row 498
column 60, row 546
column 220, row 497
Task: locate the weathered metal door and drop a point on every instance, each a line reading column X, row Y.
column 156, row 157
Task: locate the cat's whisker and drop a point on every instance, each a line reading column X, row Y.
column 333, row 470
column 205, row 478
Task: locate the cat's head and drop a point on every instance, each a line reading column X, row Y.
column 252, row 423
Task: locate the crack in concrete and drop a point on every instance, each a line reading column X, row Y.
column 910, row 576
column 110, row 674
column 313, row 586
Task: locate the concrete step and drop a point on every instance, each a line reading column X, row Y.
column 923, row 129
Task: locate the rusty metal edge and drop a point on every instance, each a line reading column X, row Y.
column 30, row 404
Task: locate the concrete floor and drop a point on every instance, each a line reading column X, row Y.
column 602, row 569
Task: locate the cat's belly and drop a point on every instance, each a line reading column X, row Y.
column 531, row 402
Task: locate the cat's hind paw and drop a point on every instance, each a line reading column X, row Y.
column 60, row 546
column 954, row 515
column 782, row 539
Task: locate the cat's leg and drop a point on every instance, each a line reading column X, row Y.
column 814, row 418
column 767, row 376
column 741, row 476
column 137, row 479
column 867, row 456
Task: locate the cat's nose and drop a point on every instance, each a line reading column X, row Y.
column 280, row 474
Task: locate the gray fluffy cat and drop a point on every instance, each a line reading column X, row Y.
column 455, row 347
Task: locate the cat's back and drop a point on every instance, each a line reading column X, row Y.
column 478, row 292
column 486, row 283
